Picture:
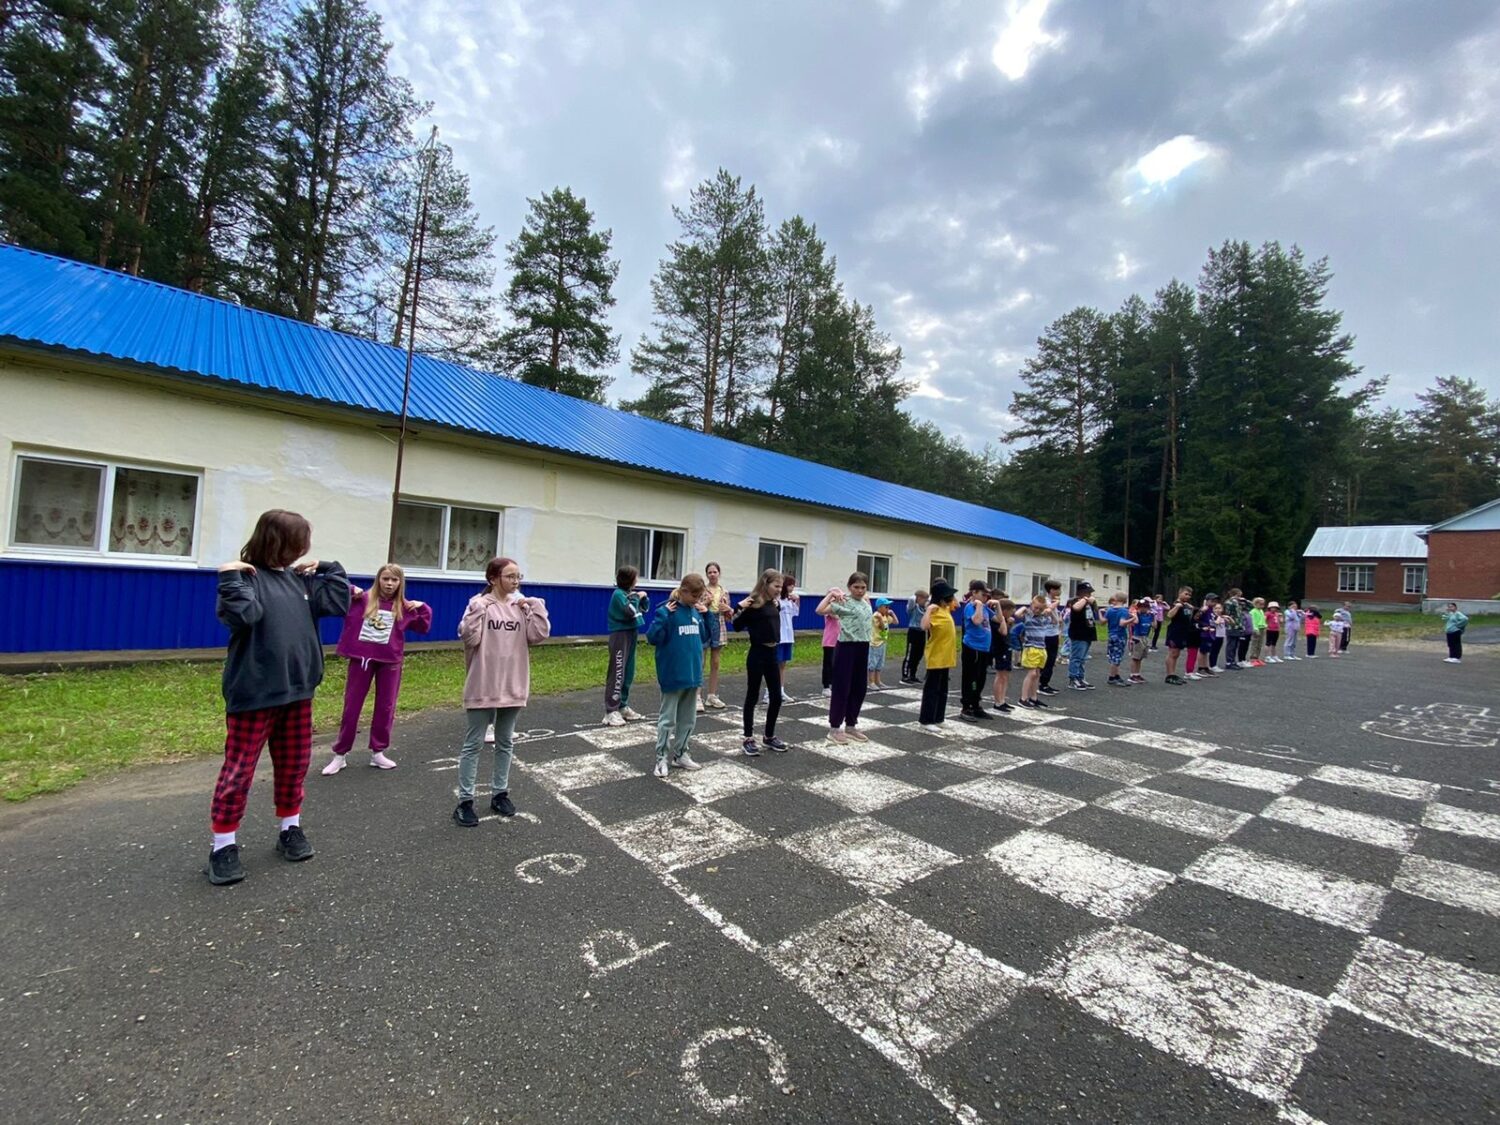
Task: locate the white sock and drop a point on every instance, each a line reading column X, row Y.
column 290, row 821
column 223, row 840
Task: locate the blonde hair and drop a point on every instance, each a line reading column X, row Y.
column 690, row 590
column 398, row 603
column 762, row 592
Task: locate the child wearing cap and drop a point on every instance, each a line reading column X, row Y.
column 880, row 626
column 942, row 653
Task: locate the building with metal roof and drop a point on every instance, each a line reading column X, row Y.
column 1400, row 541
column 1371, row 566
column 1463, row 560
column 146, row 426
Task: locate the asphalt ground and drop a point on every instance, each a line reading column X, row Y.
column 1146, row 908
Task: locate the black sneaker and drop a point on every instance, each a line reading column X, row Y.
column 464, row 816
column 1028, row 704
column 292, row 845
column 1004, row 708
column 981, row 713
column 224, row 866
column 751, row 750
column 1046, row 689
column 1117, row 681
column 502, row 804
column 1039, row 703
column 1085, row 685
column 967, row 716
column 775, row 744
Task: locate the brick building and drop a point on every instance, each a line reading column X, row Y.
column 1371, row 566
column 1463, row 560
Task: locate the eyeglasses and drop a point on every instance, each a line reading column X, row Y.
column 514, row 577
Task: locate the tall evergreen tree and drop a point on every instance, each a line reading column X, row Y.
column 1457, row 430
column 455, row 307
column 1171, row 342
column 344, row 124
column 800, row 273
column 560, row 293
column 713, row 310
column 1062, row 412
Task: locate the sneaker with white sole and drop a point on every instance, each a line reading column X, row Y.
column 855, row 734
column 765, row 698
column 774, row 743
column 787, row 697
column 630, row 714
column 684, row 761
column 339, row 762
column 700, row 708
column 379, row 761
column 614, row 719
column 489, row 734
column 715, row 703
column 661, row 768
column 828, row 693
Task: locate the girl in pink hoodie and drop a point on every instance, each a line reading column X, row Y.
column 498, row 628
column 374, row 642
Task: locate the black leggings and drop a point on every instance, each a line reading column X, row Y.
column 971, row 687
column 1047, row 668
column 1273, row 638
column 761, row 667
column 934, row 696
column 828, row 651
column 916, row 644
column 1155, row 634
column 1455, row 644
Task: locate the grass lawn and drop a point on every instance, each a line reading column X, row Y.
column 59, row 728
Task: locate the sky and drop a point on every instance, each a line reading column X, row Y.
column 978, row 169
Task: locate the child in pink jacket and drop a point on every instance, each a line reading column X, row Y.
column 498, row 629
column 374, row 642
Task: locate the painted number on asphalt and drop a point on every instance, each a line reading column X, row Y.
column 777, row 1072
column 557, row 863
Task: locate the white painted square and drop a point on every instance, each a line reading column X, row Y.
column 680, row 838
column 954, row 729
column 852, row 753
column 1197, row 818
column 719, row 779
column 898, row 693
column 1024, row 802
column 1172, row 743
column 616, row 738
column 893, row 977
column 1027, row 717
column 869, row 726
column 1080, row 875
column 1293, row 887
column 1391, row 786
column 1378, row 831
column 982, row 761
column 1252, row 1032
column 913, row 707
column 1440, row 1001
column 1452, row 884
column 1106, row 766
column 1246, row 777
column 726, row 743
column 1466, row 822
column 584, row 770
column 860, row 790
column 1054, row 735
column 874, row 856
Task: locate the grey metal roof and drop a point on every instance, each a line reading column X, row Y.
column 1486, row 517
column 1402, row 541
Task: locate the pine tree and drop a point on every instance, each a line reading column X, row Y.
column 560, row 292
column 712, row 307
column 344, row 125
column 455, row 307
column 1171, row 341
column 1457, row 430
column 800, row 274
column 1063, row 412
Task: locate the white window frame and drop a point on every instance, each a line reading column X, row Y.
column 944, row 571
column 1003, row 584
column 643, row 580
column 1350, row 585
column 781, row 558
column 105, row 509
column 869, row 570
column 1419, row 569
column 1038, row 585
column 447, row 509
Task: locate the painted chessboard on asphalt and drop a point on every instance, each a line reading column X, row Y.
column 1267, row 923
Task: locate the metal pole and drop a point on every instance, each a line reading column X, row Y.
column 420, row 236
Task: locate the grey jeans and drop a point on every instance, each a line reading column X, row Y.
column 504, row 719
column 674, row 725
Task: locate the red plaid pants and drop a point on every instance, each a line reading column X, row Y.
column 289, row 730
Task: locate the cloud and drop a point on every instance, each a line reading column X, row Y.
column 1022, row 38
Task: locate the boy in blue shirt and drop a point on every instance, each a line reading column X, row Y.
column 976, row 652
column 1140, row 636
column 1119, row 619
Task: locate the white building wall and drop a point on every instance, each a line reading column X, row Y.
column 560, row 516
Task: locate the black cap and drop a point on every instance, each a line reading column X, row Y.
column 942, row 591
column 1085, row 588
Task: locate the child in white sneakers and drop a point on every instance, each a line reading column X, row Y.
column 678, row 632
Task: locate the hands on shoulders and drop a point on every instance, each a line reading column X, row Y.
column 236, row 565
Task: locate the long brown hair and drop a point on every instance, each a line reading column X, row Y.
column 398, row 603
column 280, row 538
column 690, row 590
column 762, row 592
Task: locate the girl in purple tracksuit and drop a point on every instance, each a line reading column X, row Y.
column 374, row 641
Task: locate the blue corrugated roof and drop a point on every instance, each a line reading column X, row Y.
column 56, row 303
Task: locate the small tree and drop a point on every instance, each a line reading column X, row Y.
column 559, row 294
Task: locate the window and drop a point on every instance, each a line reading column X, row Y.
column 1038, row 584
column 944, row 572
column 998, row 580
column 1356, row 578
column 1073, row 587
column 446, row 537
column 656, row 553
column 785, row 557
column 1414, row 580
column 98, row 507
column 878, row 567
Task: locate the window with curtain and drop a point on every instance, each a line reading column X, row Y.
column 785, row 557
column 104, row 508
column 998, row 580
column 943, row 572
column 878, row 569
column 656, row 553
column 473, row 539
column 446, row 537
column 419, row 536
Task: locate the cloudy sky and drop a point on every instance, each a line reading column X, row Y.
column 981, row 168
